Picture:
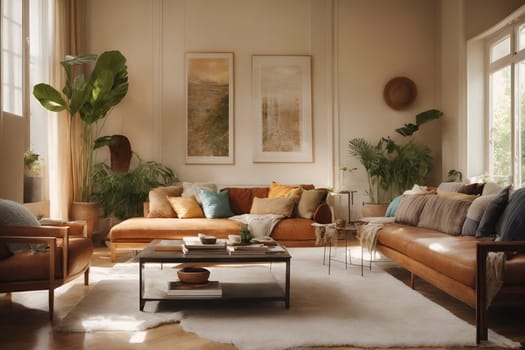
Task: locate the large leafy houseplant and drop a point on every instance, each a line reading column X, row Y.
column 90, row 99
column 122, row 194
column 393, row 168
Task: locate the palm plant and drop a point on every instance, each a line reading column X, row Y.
column 91, row 99
column 393, row 168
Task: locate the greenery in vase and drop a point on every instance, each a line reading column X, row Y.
column 123, row 194
column 393, row 168
column 91, row 100
column 246, row 235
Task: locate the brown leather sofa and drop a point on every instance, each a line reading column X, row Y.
column 136, row 233
column 454, row 264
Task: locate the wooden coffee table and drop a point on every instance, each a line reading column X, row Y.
column 231, row 291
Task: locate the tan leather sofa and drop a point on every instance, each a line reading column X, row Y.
column 455, row 264
column 136, row 233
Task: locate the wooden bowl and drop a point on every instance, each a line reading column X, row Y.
column 193, row 275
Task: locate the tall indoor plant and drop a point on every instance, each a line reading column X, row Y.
column 89, row 99
column 393, row 168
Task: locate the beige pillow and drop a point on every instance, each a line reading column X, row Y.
column 277, row 190
column 444, row 214
column 310, row 200
column 458, row 196
column 186, row 207
column 278, row 206
column 159, row 206
column 410, row 208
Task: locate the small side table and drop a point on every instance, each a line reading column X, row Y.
column 329, row 233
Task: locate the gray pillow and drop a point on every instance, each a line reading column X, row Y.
column 475, row 213
column 513, row 218
column 444, row 214
column 15, row 214
column 410, row 208
column 489, row 221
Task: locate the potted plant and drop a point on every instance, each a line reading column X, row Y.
column 393, row 168
column 32, row 177
column 122, row 194
column 89, row 100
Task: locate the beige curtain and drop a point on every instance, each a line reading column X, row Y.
column 68, row 33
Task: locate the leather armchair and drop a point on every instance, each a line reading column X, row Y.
column 66, row 257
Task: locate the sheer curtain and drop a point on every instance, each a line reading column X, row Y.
column 67, row 39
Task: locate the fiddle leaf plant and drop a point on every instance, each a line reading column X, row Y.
column 91, row 100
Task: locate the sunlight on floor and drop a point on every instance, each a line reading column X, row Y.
column 138, row 337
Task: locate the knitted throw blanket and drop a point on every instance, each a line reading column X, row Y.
column 368, row 235
column 494, row 275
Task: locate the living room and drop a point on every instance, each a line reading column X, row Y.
column 355, row 46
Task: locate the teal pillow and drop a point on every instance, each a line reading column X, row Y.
column 392, row 207
column 215, row 204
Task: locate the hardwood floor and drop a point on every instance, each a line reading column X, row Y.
column 24, row 323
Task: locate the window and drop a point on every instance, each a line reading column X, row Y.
column 506, row 108
column 24, row 39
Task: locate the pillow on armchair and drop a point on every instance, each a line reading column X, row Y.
column 15, row 214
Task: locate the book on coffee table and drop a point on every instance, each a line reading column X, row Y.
column 169, row 245
column 190, row 290
column 191, row 242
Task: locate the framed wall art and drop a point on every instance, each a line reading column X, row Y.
column 209, row 108
column 282, row 108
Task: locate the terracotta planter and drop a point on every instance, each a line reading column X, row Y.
column 374, row 209
column 90, row 212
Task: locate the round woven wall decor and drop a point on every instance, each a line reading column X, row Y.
column 399, row 92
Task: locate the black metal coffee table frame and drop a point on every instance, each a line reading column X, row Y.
column 150, row 255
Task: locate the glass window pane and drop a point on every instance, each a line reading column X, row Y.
column 521, row 37
column 500, row 49
column 500, row 133
column 520, row 144
column 12, row 56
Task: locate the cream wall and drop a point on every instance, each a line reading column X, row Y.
column 356, row 47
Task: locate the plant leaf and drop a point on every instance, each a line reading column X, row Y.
column 49, row 97
column 426, row 116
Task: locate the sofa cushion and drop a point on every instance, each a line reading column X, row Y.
column 278, row 190
column 489, row 220
column 278, row 206
column 294, row 231
column 473, row 188
column 444, row 214
column 191, row 189
column 215, row 204
column 410, row 208
column 309, row 201
column 449, row 187
column 475, row 213
column 513, row 218
column 241, row 198
column 186, row 207
column 159, row 206
column 16, row 214
column 491, row 188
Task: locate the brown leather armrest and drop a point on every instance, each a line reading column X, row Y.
column 323, row 214
column 37, row 231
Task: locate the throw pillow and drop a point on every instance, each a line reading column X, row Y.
column 474, row 188
column 278, row 206
column 215, row 204
column 410, row 208
column 491, row 188
column 190, row 189
column 489, row 220
column 475, row 213
column 449, row 187
column 513, row 218
column 392, row 207
column 458, row 196
column 277, row 190
column 309, row 201
column 241, row 198
column 159, row 206
column 444, row 214
column 186, row 207
column 15, row 214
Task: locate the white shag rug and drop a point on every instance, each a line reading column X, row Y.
column 342, row 308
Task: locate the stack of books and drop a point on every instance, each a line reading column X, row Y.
column 193, row 245
column 181, row 290
column 247, row 249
